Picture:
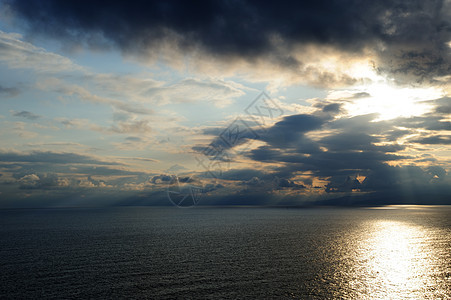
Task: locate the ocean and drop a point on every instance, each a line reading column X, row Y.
column 396, row 252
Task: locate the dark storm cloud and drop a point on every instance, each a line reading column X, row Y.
column 227, row 27
column 410, row 37
column 300, row 148
column 291, row 129
column 284, row 133
column 410, row 182
column 342, row 154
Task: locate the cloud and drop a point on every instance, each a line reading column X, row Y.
column 286, row 183
column 349, row 185
column 433, row 140
column 219, row 92
column 142, row 89
column 25, row 114
column 59, row 144
column 412, row 181
column 140, row 159
column 126, row 93
column 407, row 40
column 82, row 93
column 133, row 139
column 52, row 181
column 50, row 157
column 132, row 126
column 330, row 147
column 17, row 54
column 338, row 150
column 44, row 181
column 162, row 179
column 291, row 130
column 29, row 181
column 321, row 149
column 443, row 106
column 174, row 169
column 9, row 91
column 42, row 176
column 426, row 122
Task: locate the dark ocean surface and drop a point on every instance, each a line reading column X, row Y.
column 228, row 253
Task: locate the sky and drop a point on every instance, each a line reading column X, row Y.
column 224, row 102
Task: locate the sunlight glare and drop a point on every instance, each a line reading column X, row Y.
column 398, row 261
column 391, row 102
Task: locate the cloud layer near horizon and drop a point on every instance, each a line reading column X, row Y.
column 321, row 158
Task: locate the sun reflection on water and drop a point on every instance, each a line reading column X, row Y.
column 396, row 261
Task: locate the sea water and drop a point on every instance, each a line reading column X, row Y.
column 395, row 252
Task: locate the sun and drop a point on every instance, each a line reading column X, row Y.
column 381, row 95
column 391, row 102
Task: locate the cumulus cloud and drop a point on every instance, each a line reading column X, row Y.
column 50, row 175
column 53, row 181
column 29, row 181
